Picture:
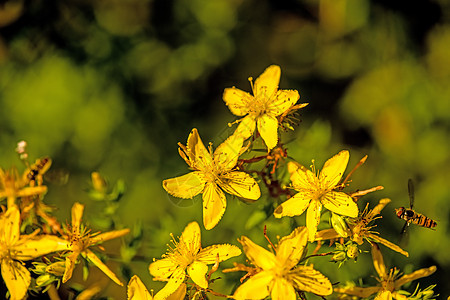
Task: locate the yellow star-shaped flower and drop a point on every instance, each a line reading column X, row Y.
column 188, row 255
column 262, row 109
column 389, row 282
column 279, row 277
column 212, row 174
column 315, row 191
column 80, row 242
column 15, row 248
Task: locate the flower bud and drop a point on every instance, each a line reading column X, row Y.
column 339, row 224
column 45, row 280
column 39, row 268
column 56, row 268
column 339, row 257
column 352, row 251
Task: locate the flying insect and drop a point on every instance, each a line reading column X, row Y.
column 34, row 173
column 410, row 216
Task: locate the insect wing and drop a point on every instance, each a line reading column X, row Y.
column 411, row 193
column 57, row 176
column 404, row 235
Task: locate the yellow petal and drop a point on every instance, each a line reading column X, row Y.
column 70, row 265
column 214, row 205
column 414, row 275
column 227, row 154
column 91, row 291
column 388, row 244
column 363, row 292
column 246, row 127
column 267, row 83
column 290, row 248
column 283, row 290
column 326, row 234
column 237, row 101
column 77, row 214
column 197, row 271
column 29, row 248
column 197, row 150
column 378, row 208
column 340, row 203
column 191, row 237
column 209, row 254
column 294, row 206
column 179, row 293
column 301, row 177
column 257, row 287
column 383, row 295
column 162, row 269
column 398, row 296
column 283, row 101
column 307, row 279
column 136, row 290
column 185, row 186
column 268, row 129
column 106, row 236
column 16, row 277
column 313, row 218
column 333, row 169
column 10, row 226
column 172, row 285
column 257, row 255
column 96, row 261
column 378, row 262
column 240, row 184
column 32, row 191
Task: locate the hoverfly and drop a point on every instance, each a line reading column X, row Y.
column 410, row 216
column 35, row 171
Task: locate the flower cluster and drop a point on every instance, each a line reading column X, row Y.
column 284, row 271
column 54, row 250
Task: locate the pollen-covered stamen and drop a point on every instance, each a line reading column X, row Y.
column 261, row 101
column 388, row 282
column 317, row 189
column 79, row 238
column 5, row 251
column 180, row 252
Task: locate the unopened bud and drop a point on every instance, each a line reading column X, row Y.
column 98, row 182
column 56, row 268
column 352, row 251
column 339, row 225
column 39, row 268
column 338, row 257
column 44, row 280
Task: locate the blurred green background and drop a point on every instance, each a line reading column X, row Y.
column 113, row 85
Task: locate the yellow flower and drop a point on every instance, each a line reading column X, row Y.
column 136, row 290
column 188, row 255
column 315, row 191
column 80, row 242
column 279, row 277
column 262, row 109
column 389, row 282
column 212, row 173
column 360, row 230
column 15, row 248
